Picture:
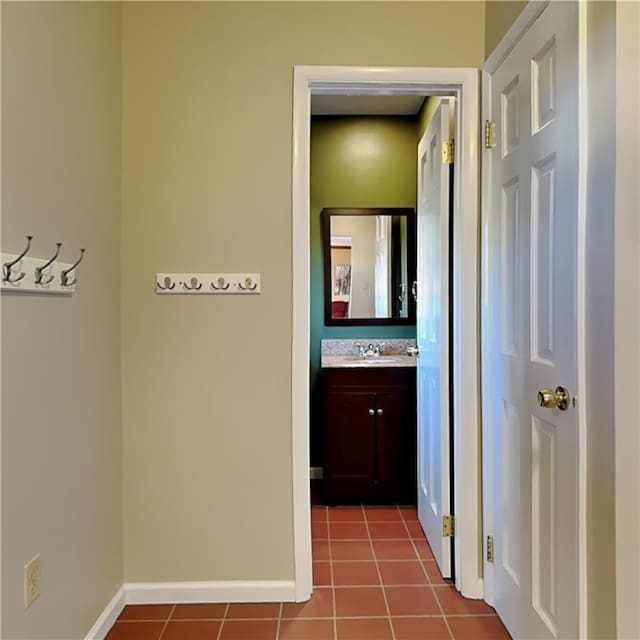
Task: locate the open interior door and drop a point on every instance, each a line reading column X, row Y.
column 531, row 416
column 434, row 485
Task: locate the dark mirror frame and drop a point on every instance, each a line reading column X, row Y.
column 410, row 214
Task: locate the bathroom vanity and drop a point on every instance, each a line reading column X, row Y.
column 369, row 420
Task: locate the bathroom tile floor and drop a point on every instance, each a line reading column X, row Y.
column 374, row 579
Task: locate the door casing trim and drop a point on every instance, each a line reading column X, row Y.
column 463, row 84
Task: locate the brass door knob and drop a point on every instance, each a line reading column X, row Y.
column 549, row 399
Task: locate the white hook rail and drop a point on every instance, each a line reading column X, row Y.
column 208, row 283
column 36, row 279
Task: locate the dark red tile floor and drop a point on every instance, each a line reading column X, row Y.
column 375, row 579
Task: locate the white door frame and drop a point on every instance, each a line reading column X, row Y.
column 463, row 84
column 491, row 512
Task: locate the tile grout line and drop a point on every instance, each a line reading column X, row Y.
column 431, row 586
column 333, row 591
column 224, row 617
column 166, row 622
column 444, row 616
column 375, row 560
column 280, row 610
column 433, row 592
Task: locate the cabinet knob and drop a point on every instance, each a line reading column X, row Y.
column 371, row 412
column 379, row 412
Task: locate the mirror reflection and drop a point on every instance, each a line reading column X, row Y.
column 368, row 265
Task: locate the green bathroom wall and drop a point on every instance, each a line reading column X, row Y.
column 359, row 161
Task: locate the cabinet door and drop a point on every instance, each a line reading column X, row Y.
column 395, row 448
column 349, row 452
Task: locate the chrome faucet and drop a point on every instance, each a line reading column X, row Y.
column 370, row 350
column 362, row 350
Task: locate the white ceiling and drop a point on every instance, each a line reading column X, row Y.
column 322, row 105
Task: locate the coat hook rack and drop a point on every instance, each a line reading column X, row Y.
column 218, row 283
column 65, row 281
column 39, row 271
column 25, row 274
column 7, row 267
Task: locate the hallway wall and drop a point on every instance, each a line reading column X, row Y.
column 498, row 17
column 61, row 430
column 207, row 186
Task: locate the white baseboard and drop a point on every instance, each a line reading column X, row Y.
column 190, row 593
column 194, row 592
column 315, row 473
column 108, row 617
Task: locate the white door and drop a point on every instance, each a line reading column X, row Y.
column 530, row 255
column 434, row 493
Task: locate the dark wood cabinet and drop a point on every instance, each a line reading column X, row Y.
column 369, row 420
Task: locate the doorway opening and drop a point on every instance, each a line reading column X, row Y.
column 462, row 85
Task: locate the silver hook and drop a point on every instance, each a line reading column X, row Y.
column 168, row 285
column 40, row 270
column 195, row 285
column 64, row 275
column 247, row 285
column 8, row 266
column 221, row 285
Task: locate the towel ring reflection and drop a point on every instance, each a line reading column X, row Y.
column 40, row 270
column 7, row 267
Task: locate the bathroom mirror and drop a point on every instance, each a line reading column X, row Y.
column 369, row 266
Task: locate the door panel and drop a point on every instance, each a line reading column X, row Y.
column 350, row 424
column 531, row 343
column 433, row 336
column 393, row 444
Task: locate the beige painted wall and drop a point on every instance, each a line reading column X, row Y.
column 207, row 106
column 61, row 428
column 499, row 16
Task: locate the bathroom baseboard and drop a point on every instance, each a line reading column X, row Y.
column 190, row 593
column 106, row 619
column 315, row 473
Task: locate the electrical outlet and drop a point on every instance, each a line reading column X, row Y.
column 31, row 580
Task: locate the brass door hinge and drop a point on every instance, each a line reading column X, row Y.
column 448, row 527
column 447, row 152
column 489, row 134
column 489, row 548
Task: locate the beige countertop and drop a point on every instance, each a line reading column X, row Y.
column 373, row 362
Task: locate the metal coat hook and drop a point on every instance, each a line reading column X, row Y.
column 195, row 285
column 8, row 266
column 247, row 285
column 222, row 286
column 40, row 270
column 168, row 285
column 65, row 281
